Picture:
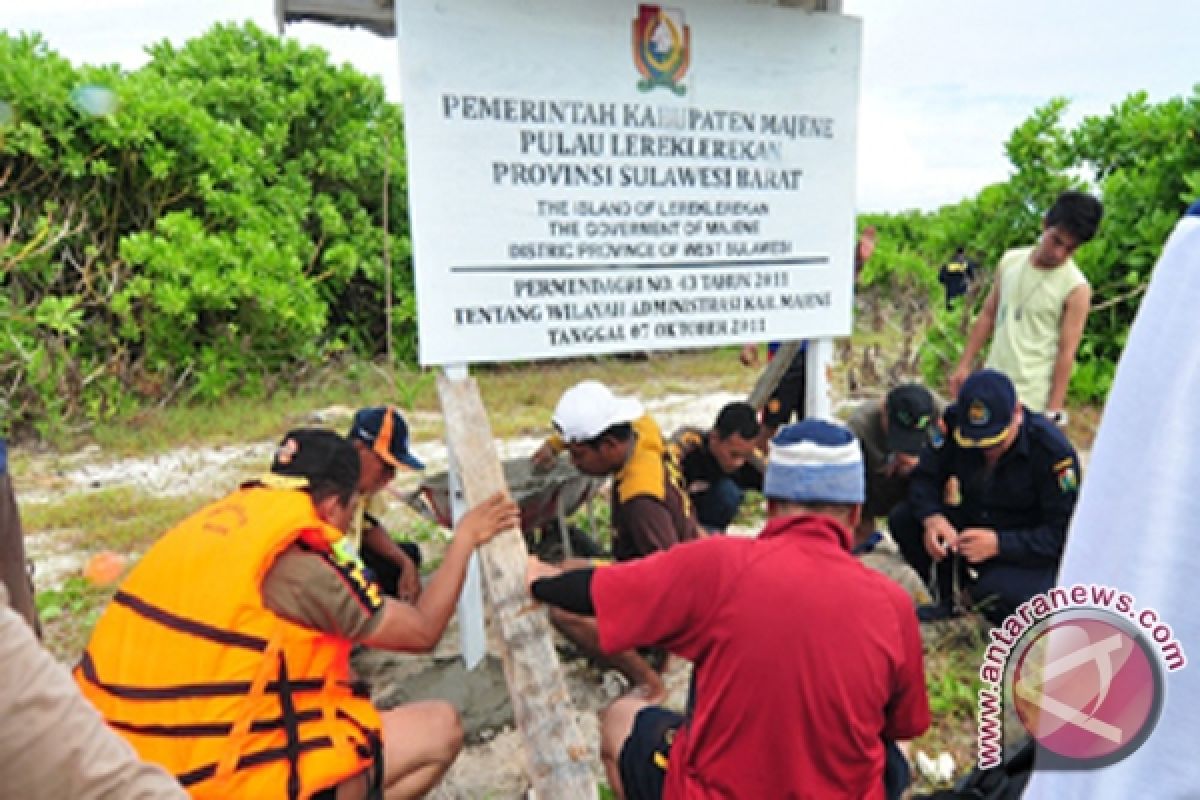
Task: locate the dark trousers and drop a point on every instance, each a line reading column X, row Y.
column 717, row 505
column 788, row 398
column 998, row 587
column 643, row 776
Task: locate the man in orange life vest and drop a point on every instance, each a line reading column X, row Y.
column 224, row 656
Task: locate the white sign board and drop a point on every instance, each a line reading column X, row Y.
column 596, row 177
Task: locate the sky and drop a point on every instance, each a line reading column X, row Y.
column 944, row 82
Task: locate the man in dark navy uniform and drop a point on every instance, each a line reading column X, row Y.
column 990, row 506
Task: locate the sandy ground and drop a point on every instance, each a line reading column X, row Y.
column 492, row 764
column 211, row 472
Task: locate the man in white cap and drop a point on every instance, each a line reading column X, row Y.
column 610, row 435
column 807, row 663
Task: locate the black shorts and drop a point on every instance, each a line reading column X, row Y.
column 643, row 759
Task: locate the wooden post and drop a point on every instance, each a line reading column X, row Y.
column 559, row 759
column 772, row 375
column 817, row 360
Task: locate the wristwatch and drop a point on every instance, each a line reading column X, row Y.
column 1059, row 417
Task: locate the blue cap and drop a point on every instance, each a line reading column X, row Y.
column 986, row 403
column 386, row 432
column 815, row 461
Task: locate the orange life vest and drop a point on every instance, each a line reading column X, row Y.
column 189, row 666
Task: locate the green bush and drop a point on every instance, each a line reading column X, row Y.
column 216, row 219
column 1144, row 162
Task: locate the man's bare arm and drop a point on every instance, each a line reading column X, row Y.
column 981, row 331
column 1074, row 318
column 417, row 627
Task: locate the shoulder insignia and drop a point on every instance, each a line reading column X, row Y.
column 952, row 493
column 1067, row 477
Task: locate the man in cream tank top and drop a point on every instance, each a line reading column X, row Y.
column 1036, row 310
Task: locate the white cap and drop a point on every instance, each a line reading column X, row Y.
column 588, row 409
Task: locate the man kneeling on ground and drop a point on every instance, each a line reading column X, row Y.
column 807, row 663
column 893, row 432
column 224, row 656
column 990, row 506
column 720, row 464
column 610, row 435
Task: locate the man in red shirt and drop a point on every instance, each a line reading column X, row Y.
column 807, row 663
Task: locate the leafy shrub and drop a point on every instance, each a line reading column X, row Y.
column 219, row 220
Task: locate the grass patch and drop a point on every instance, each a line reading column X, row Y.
column 952, row 680
column 249, row 418
column 752, row 513
column 520, row 398
column 121, row 519
column 68, row 614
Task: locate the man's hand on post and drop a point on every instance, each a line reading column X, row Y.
column 536, row 569
column 495, row 514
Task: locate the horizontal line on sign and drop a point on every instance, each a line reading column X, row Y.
column 770, row 262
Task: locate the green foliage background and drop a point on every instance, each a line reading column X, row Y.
column 1142, row 159
column 221, row 228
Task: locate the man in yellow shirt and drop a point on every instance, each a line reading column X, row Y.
column 610, row 435
column 1036, row 310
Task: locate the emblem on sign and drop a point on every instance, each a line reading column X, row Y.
column 662, row 46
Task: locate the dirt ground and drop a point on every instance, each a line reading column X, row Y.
column 492, row 764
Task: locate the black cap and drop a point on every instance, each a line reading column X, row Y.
column 910, row 412
column 318, row 455
column 986, row 404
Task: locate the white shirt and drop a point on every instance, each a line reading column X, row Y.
column 1135, row 527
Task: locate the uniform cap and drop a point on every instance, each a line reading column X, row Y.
column 317, row 455
column 985, row 409
column 910, row 410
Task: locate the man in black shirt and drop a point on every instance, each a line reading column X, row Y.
column 991, row 503
column 720, row 464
